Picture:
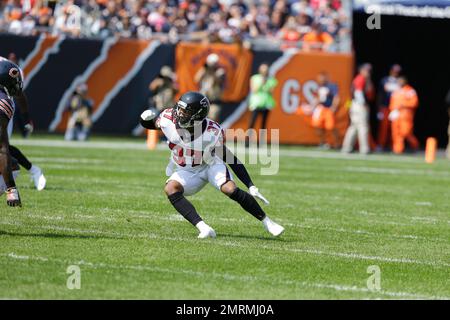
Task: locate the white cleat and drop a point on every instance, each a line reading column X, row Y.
column 38, row 178
column 207, row 234
column 205, row 231
column 274, row 228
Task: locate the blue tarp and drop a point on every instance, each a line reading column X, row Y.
column 413, row 8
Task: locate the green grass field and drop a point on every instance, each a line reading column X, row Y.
column 104, row 210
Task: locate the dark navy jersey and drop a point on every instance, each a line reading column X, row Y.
column 387, row 86
column 326, row 94
column 6, row 105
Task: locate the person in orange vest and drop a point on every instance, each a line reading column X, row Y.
column 403, row 105
column 387, row 85
column 289, row 34
column 317, row 39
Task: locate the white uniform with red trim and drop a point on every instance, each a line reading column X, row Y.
column 11, row 124
column 194, row 163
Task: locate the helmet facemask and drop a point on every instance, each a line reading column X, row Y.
column 16, row 87
column 192, row 107
column 185, row 118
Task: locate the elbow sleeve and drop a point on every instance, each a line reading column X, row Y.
column 148, row 124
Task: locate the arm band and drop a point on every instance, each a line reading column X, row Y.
column 149, row 124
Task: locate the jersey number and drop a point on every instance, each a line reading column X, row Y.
column 179, row 155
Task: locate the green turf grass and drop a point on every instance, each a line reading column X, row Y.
column 104, row 210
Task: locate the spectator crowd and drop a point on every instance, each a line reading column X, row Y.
column 307, row 24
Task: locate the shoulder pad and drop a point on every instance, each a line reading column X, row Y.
column 165, row 118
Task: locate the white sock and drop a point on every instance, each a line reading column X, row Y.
column 266, row 221
column 202, row 226
column 33, row 169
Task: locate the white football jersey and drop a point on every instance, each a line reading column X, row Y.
column 186, row 153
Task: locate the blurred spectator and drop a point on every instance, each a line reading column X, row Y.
column 211, row 80
column 67, row 19
column 284, row 22
column 403, row 105
column 317, row 39
column 387, row 85
column 261, row 96
column 80, row 107
column 163, row 89
column 326, row 105
column 289, row 34
column 363, row 92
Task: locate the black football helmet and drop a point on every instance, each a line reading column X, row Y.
column 10, row 78
column 192, row 107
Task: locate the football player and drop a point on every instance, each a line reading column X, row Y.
column 10, row 85
column 21, row 99
column 199, row 156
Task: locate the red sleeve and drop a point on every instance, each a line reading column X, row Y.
column 165, row 114
column 359, row 83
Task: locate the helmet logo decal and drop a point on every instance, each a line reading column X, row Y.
column 204, row 102
column 14, row 72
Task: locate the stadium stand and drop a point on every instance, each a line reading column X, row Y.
column 268, row 23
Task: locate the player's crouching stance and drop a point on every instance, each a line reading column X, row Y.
column 19, row 98
column 198, row 155
column 10, row 84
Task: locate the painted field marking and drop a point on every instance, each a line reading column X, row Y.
column 142, row 146
column 177, row 217
column 345, row 255
column 223, row 276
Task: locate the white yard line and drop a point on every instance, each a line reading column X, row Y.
column 425, row 203
column 397, row 171
column 88, row 168
column 80, row 144
column 416, row 220
column 345, row 255
column 76, row 160
column 176, row 217
column 222, row 276
column 162, row 146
